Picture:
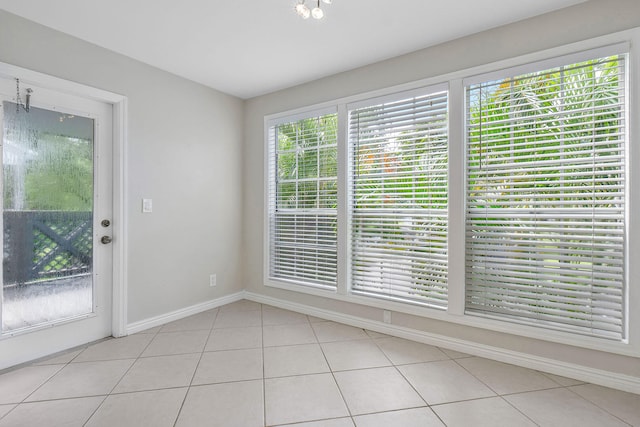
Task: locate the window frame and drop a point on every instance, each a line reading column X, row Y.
column 402, row 97
column 271, row 168
column 455, row 82
column 602, row 327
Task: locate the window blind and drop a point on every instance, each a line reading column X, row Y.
column 398, row 198
column 302, row 201
column 545, row 194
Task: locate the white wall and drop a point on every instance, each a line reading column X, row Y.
column 581, row 22
column 184, row 152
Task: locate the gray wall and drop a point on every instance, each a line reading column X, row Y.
column 584, row 21
column 196, row 152
column 184, row 152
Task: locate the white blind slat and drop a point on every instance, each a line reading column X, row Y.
column 546, row 189
column 398, row 199
column 302, row 201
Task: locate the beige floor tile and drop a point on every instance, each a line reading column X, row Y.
column 403, row 352
column 335, row 422
column 238, row 319
column 153, row 330
column 275, row 316
column 156, row 408
column 159, row 372
column 376, row 390
column 563, row 381
column 228, row 366
column 83, row 379
column 288, row 335
column 625, row 406
column 444, row 381
column 331, row 331
column 234, row 339
column 490, row 412
column 128, row 347
column 374, row 334
column 504, row 378
column 454, row 354
column 16, row 385
column 230, row 405
column 65, row 412
column 197, row 322
column 416, row 417
column 318, row 373
column 176, row 343
column 358, row 354
column 302, row 398
column 242, row 305
column 294, row 360
column 59, row 358
column 561, row 408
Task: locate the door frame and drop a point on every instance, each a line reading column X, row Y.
column 119, row 147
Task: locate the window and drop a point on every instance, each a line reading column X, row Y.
column 398, row 200
column 303, row 199
column 500, row 200
column 545, row 197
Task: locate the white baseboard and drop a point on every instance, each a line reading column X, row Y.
column 152, row 322
column 596, row 376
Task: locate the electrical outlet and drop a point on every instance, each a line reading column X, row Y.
column 212, row 280
column 386, row 316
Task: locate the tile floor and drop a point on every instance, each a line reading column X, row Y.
column 247, row 364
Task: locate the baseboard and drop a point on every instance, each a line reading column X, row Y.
column 596, row 376
column 152, row 322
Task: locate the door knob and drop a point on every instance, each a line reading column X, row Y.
column 106, row 239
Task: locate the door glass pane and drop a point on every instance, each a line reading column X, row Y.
column 47, row 217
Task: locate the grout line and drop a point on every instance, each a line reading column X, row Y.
column 335, row 381
column 397, row 369
column 569, row 389
column 184, row 399
column 298, row 423
column 63, row 366
column 43, row 383
column 517, row 409
column 478, row 379
column 95, row 410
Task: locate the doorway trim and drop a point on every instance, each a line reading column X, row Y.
column 120, row 131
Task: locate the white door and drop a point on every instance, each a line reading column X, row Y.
column 56, row 221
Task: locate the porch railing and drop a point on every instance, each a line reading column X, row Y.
column 44, row 245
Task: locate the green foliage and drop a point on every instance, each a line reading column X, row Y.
column 532, row 134
column 307, row 163
column 402, row 164
column 61, row 176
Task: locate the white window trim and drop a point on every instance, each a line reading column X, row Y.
column 405, row 98
column 120, row 177
column 272, row 122
column 629, row 41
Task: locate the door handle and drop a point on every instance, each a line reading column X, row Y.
column 106, row 240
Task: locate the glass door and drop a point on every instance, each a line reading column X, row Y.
column 47, row 165
column 56, row 220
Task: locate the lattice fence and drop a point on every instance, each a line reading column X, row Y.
column 41, row 245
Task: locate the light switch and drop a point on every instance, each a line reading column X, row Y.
column 147, row 205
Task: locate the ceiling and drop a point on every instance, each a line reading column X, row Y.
column 251, row 47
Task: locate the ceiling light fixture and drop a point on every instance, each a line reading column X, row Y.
column 304, row 12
